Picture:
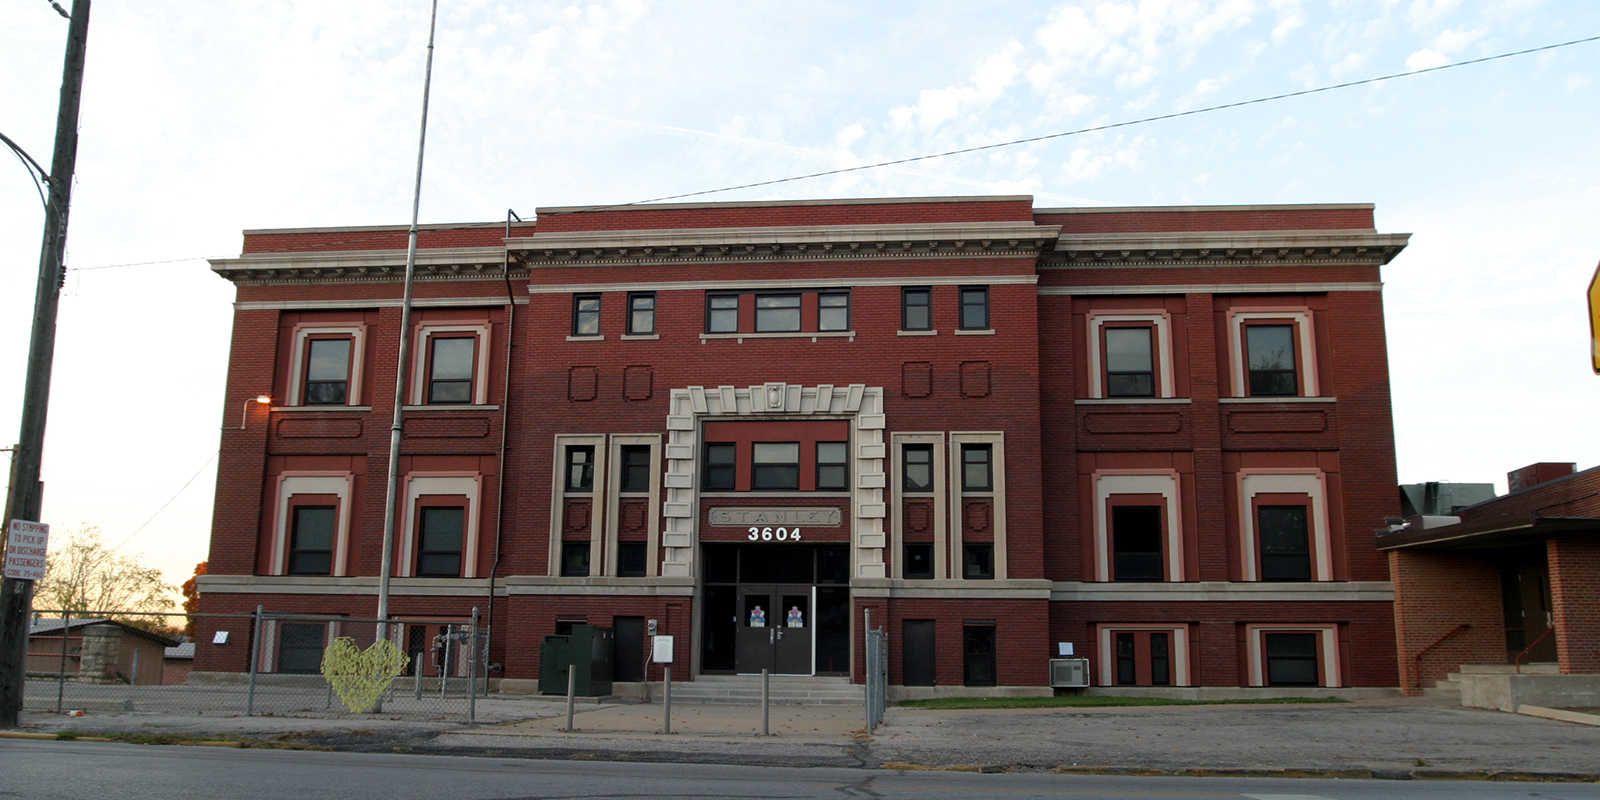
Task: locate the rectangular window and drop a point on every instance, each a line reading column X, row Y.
column 580, row 468
column 1285, row 545
column 977, row 469
column 586, row 315
column 777, row 313
column 1270, row 351
column 300, row 646
column 574, row 559
column 631, row 559
column 311, row 540
column 1130, row 362
column 722, row 313
column 1291, row 659
column 833, row 466
column 919, row 561
column 833, row 311
column 977, row 562
column 978, row 655
column 641, row 313
column 775, row 465
column 719, row 466
column 916, row 467
column 1136, row 543
column 916, row 309
column 451, row 361
column 1144, row 659
column 974, row 308
column 327, row 372
column 439, row 541
column 635, row 468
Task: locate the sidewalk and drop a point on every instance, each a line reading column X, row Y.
column 1384, row 738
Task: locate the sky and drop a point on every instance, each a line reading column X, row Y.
column 201, row 120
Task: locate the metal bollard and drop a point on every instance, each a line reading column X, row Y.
column 666, row 699
column 765, row 705
column 572, row 683
column 418, row 673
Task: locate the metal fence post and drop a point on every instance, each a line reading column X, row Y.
column 255, row 658
column 866, row 661
column 765, row 676
column 666, row 699
column 61, row 680
column 472, row 668
column 572, row 684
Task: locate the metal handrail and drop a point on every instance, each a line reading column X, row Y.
column 1424, row 651
column 1547, row 632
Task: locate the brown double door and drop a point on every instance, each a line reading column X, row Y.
column 775, row 629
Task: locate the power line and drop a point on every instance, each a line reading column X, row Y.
column 168, row 503
column 145, row 263
column 928, row 157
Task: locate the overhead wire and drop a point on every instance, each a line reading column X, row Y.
column 325, row 244
column 163, row 507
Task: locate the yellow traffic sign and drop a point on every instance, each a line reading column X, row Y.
column 1594, row 320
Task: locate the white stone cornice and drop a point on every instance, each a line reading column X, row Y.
column 1224, row 248
column 363, row 266
column 1224, row 591
column 792, row 243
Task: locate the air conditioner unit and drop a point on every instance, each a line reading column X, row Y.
column 1069, row 673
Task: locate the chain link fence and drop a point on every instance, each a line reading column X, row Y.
column 877, row 677
column 266, row 663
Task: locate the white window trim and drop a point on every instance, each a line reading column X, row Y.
column 1256, row 644
column 297, row 363
column 1105, row 632
column 957, row 494
column 1110, row 482
column 558, row 490
column 321, row 482
column 466, row 486
column 419, row 374
column 1310, row 482
column 896, row 481
column 1160, row 321
column 1306, row 369
column 613, row 522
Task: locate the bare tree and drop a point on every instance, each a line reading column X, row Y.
column 83, row 574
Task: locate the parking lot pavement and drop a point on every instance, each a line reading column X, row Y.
column 1380, row 735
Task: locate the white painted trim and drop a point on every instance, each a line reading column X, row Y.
column 318, row 482
column 1114, row 482
column 1327, row 655
column 1310, row 482
column 328, row 305
column 895, row 478
column 303, row 332
column 806, row 283
column 418, row 484
column 424, row 335
column 1160, row 320
column 1306, row 369
column 997, row 494
column 1107, row 653
column 1204, row 288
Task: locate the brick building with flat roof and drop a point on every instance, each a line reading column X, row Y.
column 1160, row 434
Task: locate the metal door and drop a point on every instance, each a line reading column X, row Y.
column 775, row 630
column 755, row 644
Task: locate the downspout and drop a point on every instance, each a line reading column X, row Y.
column 505, row 415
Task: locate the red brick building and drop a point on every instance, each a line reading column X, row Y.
column 1511, row 581
column 1160, row 434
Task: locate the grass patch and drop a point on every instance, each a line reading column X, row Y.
column 1096, row 701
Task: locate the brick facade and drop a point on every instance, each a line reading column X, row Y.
column 1013, row 363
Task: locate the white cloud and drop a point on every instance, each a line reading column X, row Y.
column 937, row 106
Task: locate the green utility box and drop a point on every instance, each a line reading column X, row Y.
column 587, row 652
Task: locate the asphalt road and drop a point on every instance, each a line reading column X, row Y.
column 53, row 770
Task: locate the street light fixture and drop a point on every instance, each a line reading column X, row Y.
column 244, row 416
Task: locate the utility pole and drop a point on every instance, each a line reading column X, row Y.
column 26, row 494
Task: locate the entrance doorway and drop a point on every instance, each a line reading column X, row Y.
column 783, row 608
